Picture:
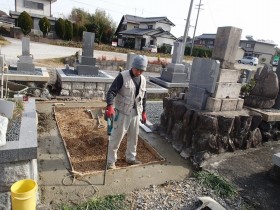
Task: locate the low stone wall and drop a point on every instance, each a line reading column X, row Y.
column 198, row 134
column 89, row 90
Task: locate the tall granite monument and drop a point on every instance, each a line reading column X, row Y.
column 213, row 82
column 175, row 71
column 88, row 62
column 25, row 62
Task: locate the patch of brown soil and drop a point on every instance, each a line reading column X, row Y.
column 86, row 143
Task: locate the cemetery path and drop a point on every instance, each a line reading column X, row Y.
column 47, row 51
column 250, row 170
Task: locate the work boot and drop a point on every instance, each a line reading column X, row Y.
column 133, row 162
column 111, row 166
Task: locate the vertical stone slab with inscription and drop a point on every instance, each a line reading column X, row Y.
column 88, row 66
column 25, row 62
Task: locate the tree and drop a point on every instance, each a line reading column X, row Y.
column 81, row 30
column 79, row 16
column 25, row 22
column 104, row 27
column 75, row 31
column 98, row 23
column 44, row 25
column 68, row 30
column 60, row 28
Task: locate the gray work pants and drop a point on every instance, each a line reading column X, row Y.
column 125, row 124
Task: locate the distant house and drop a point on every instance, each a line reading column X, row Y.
column 37, row 9
column 262, row 50
column 205, row 40
column 136, row 32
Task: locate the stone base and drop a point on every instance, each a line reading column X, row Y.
column 88, row 61
column 227, row 90
column 176, row 67
column 29, row 67
column 84, row 86
column 173, row 77
column 228, row 75
column 87, row 70
column 217, row 104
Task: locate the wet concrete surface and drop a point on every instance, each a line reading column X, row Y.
column 247, row 169
column 56, row 186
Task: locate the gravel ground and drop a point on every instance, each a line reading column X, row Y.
column 154, row 110
column 179, row 195
column 176, row 194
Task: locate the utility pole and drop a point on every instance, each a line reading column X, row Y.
column 186, row 31
column 199, row 8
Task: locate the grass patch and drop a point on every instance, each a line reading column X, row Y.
column 217, row 183
column 110, row 202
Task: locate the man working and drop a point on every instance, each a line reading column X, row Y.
column 128, row 94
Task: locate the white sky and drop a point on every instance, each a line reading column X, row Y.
column 259, row 18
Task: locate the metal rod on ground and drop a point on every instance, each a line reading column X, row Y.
column 2, row 76
column 106, row 164
column 110, row 122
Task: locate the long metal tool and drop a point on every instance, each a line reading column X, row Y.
column 110, row 122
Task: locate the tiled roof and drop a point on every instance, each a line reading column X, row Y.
column 206, row 36
column 137, row 19
column 151, row 32
column 138, row 31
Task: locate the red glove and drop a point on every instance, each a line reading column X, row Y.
column 110, row 111
column 144, row 117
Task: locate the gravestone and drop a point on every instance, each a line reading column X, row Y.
column 129, row 60
column 25, row 62
column 175, row 71
column 213, row 82
column 226, row 46
column 88, row 62
column 202, row 83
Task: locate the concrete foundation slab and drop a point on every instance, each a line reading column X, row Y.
column 104, row 78
column 268, row 115
column 17, row 76
column 26, row 147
